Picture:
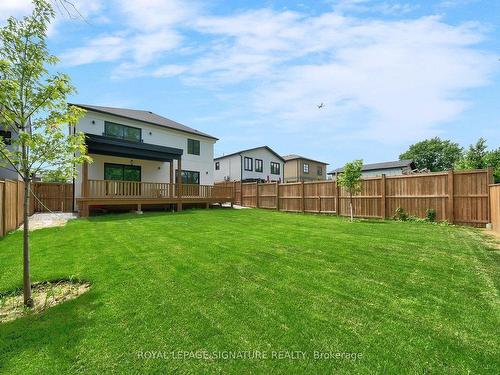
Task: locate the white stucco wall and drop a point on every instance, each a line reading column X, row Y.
column 93, row 123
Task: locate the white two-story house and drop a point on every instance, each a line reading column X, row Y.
column 255, row 164
column 140, row 154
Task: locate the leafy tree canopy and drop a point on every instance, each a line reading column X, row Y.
column 434, row 154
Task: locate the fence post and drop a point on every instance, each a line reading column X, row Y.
column 337, row 198
column 4, row 209
column 17, row 203
column 303, row 197
column 491, row 180
column 383, row 201
column 257, row 194
column 277, row 191
column 451, row 196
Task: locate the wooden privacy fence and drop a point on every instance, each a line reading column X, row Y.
column 11, row 205
column 49, row 196
column 495, row 206
column 460, row 197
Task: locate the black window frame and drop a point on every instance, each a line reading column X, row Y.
column 320, row 171
column 7, row 137
column 123, row 166
column 193, row 146
column 107, row 123
column 257, row 163
column 217, row 165
column 185, row 179
column 245, row 159
column 275, row 168
column 305, row 168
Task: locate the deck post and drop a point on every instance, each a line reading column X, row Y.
column 85, row 180
column 171, row 179
column 179, row 185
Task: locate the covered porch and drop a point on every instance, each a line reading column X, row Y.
column 96, row 192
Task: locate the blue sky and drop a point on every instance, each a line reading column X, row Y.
column 252, row 73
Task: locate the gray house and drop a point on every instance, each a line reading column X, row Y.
column 389, row 168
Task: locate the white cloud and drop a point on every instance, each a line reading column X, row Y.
column 14, row 8
column 402, row 78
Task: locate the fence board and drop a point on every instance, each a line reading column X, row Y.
column 495, row 206
column 460, row 197
column 56, row 197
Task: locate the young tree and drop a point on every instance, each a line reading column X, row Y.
column 33, row 108
column 434, row 154
column 350, row 179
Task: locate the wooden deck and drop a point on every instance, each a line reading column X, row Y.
column 112, row 193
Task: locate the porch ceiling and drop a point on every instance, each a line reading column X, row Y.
column 102, row 145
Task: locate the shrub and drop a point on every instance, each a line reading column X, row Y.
column 431, row 215
column 400, row 214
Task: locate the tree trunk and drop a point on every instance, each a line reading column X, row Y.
column 350, row 207
column 28, row 300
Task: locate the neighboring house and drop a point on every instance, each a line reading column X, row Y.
column 6, row 170
column 390, row 168
column 299, row 168
column 255, row 164
column 140, row 146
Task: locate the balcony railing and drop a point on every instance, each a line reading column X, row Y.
column 134, row 189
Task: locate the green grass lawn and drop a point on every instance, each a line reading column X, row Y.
column 410, row 297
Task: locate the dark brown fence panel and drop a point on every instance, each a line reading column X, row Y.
column 55, row 197
column 495, row 206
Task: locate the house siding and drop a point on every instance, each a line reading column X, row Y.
column 151, row 171
column 294, row 170
column 231, row 167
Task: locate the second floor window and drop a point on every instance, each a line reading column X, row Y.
column 320, row 171
column 275, row 168
column 193, row 147
column 248, row 164
column 217, row 165
column 306, row 168
column 128, row 133
column 259, row 165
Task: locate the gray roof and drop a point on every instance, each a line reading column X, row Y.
column 295, row 156
column 385, row 165
column 251, row 149
column 143, row 116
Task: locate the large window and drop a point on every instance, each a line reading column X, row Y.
column 275, row 168
column 248, row 164
column 320, row 171
column 122, row 172
column 190, row 177
column 259, row 165
column 193, row 147
column 306, row 168
column 128, row 133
